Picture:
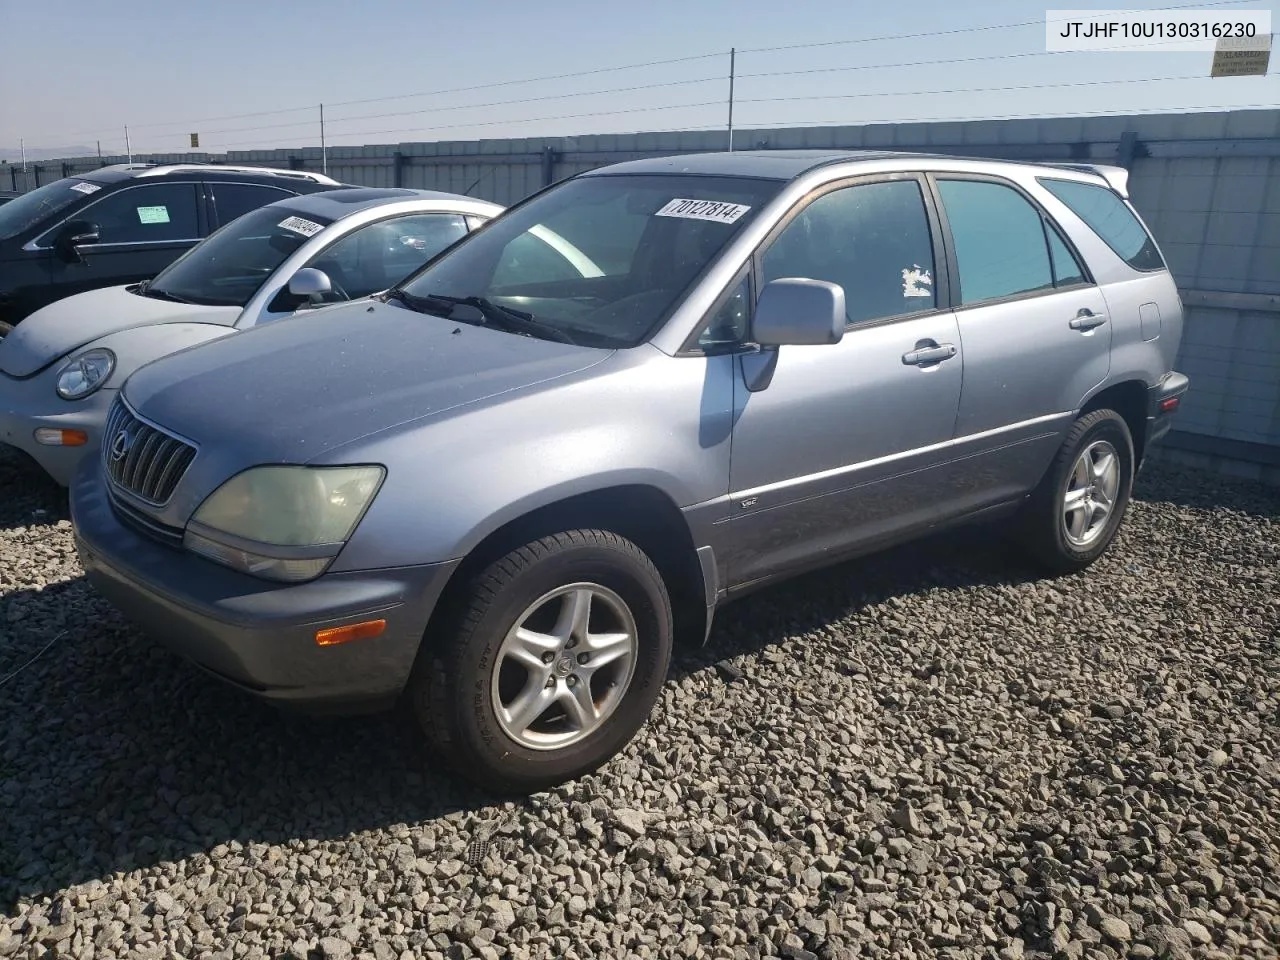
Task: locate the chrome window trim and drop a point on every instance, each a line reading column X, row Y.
column 35, row 245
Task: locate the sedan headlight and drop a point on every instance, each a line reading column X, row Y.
column 84, row 374
column 283, row 522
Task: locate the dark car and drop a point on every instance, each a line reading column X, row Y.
column 122, row 224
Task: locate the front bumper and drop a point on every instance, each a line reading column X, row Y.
column 1163, row 401
column 257, row 634
column 28, row 405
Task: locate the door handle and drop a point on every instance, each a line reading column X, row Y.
column 929, row 354
column 1084, row 320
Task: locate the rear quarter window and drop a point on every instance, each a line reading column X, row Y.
column 1110, row 218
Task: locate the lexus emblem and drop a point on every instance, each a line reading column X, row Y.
column 120, row 445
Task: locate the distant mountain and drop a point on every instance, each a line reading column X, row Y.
column 14, row 154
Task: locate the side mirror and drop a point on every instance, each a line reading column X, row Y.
column 310, row 284
column 799, row 312
column 73, row 236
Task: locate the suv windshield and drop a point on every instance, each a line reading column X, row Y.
column 599, row 260
column 228, row 268
column 26, row 211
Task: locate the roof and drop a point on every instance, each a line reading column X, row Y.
column 767, row 164
column 336, row 204
column 129, row 171
column 789, row 164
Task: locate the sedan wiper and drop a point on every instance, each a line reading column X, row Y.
column 514, row 321
column 147, row 290
column 436, row 306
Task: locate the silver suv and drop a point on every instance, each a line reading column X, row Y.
column 506, row 487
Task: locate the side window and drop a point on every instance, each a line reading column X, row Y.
column 381, row 254
column 530, row 259
column 872, row 239
column 156, row 212
column 1066, row 268
column 233, row 200
column 999, row 240
column 1110, row 218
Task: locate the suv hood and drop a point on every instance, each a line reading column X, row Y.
column 291, row 390
column 54, row 331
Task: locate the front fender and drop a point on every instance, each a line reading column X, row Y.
column 664, row 423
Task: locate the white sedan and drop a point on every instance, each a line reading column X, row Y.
column 60, row 367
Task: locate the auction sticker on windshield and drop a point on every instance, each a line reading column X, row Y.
column 716, row 210
column 85, row 188
column 298, row 225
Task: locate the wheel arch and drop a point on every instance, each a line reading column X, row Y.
column 1129, row 399
column 641, row 513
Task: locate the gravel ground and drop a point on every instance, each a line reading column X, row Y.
column 925, row 754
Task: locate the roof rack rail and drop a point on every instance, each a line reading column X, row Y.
column 1117, row 177
column 162, row 169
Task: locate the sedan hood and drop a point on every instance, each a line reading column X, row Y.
column 294, row 389
column 56, row 330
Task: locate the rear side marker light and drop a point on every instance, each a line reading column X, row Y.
column 1169, row 404
column 53, row 437
column 333, row 636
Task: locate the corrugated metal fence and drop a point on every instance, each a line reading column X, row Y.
column 1208, row 183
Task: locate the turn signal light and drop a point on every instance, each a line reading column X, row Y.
column 355, row 631
column 1170, row 404
column 53, row 437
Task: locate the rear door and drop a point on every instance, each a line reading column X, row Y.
column 1034, row 328
column 142, row 227
column 232, row 200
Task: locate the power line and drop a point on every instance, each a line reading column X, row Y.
column 614, row 69
column 929, row 93
column 955, row 32
column 492, row 123
column 465, row 106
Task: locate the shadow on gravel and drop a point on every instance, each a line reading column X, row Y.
column 1206, row 491
column 115, row 755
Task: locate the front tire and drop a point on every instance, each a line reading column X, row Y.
column 1074, row 514
column 549, row 664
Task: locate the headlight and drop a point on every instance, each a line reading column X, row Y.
column 283, row 522
column 84, row 374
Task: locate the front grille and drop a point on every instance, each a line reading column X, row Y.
column 139, row 522
column 141, row 459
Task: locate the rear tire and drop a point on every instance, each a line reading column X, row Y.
column 1074, row 514
column 548, row 664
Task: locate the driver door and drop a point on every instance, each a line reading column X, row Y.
column 842, row 446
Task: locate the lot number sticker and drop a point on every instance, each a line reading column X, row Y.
column 153, row 214
column 298, row 225
column 715, row 210
column 85, row 188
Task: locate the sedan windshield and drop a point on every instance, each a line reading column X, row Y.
column 599, row 260
column 30, row 209
column 228, row 268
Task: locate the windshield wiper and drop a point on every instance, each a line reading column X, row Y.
column 505, row 318
column 436, row 306
column 147, row 290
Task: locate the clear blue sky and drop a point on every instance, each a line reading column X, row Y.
column 75, row 71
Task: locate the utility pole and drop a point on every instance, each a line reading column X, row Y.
column 324, row 150
column 127, row 148
column 99, row 151
column 22, row 145
column 733, row 52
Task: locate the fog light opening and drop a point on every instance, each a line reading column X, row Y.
column 53, row 437
column 332, row 636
